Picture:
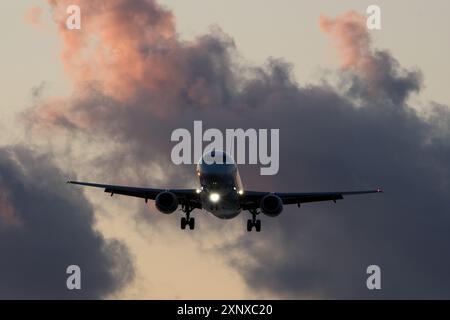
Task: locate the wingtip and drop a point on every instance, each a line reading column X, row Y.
column 379, row 190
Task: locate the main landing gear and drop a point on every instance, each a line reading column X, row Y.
column 253, row 222
column 187, row 220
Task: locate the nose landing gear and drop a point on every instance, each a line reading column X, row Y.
column 187, row 220
column 253, row 222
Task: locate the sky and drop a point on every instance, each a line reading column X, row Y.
column 355, row 108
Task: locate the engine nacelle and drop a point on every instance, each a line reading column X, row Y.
column 166, row 202
column 271, row 205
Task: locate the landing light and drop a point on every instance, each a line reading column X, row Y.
column 214, row 197
column 198, row 190
column 241, row 192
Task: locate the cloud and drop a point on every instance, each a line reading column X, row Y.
column 103, row 52
column 351, row 38
column 7, row 212
column 46, row 226
column 381, row 75
column 363, row 135
column 135, row 82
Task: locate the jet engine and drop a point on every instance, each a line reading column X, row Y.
column 271, row 205
column 166, row 202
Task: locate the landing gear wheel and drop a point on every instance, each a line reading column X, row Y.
column 249, row 225
column 183, row 223
column 253, row 222
column 187, row 220
column 191, row 223
column 258, row 225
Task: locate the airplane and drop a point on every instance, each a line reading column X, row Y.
column 221, row 193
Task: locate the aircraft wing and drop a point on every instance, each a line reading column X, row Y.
column 252, row 198
column 187, row 196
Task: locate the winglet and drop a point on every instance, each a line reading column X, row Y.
column 379, row 190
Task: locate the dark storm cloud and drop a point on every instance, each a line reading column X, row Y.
column 366, row 136
column 322, row 250
column 45, row 226
column 360, row 133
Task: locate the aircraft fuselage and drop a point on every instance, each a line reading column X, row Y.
column 221, row 185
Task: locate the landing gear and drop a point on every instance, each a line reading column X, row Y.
column 187, row 220
column 258, row 225
column 190, row 223
column 253, row 222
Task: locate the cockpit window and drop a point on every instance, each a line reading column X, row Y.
column 217, row 157
column 216, row 162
